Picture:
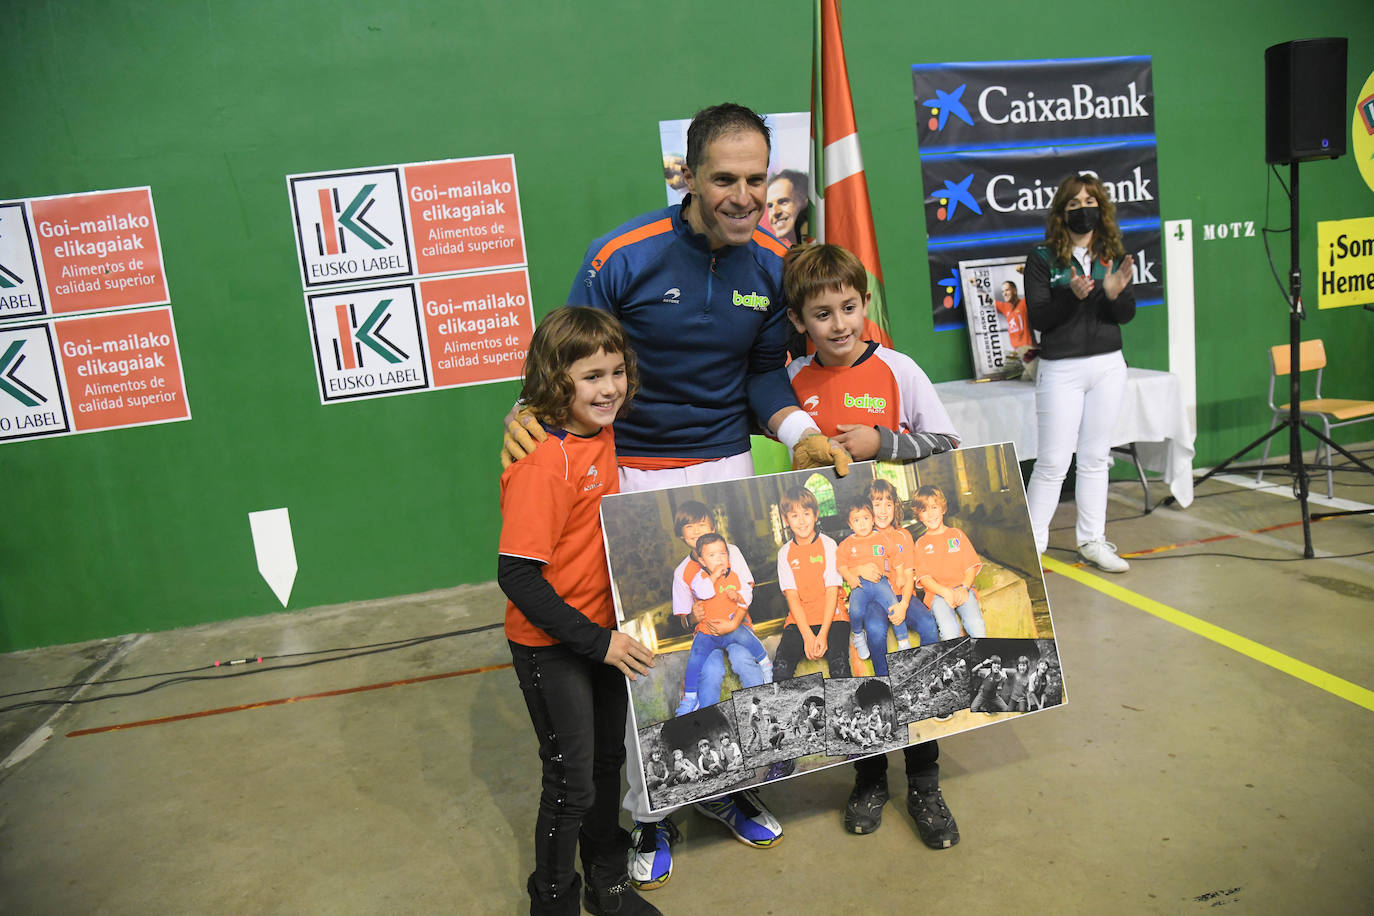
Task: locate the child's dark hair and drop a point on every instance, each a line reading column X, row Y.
column 878, row 485
column 859, row 505
column 930, row 495
column 690, row 513
column 799, row 498
column 811, row 269
column 706, row 540
column 567, row 334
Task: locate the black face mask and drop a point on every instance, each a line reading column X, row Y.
column 1081, row 221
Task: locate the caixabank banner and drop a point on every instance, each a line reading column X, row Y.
column 750, row 592
column 996, row 139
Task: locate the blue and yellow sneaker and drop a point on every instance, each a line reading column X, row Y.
column 744, row 813
column 651, row 854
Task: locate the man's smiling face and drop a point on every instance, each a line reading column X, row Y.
column 729, row 188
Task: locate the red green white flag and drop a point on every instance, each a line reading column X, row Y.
column 841, row 214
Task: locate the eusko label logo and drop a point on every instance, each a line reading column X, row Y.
column 350, row 226
column 367, row 343
column 20, row 292
column 30, row 392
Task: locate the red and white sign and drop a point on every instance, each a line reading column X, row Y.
column 99, row 250
column 465, row 215
column 122, row 369
column 478, row 327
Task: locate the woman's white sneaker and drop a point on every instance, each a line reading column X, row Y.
column 1102, row 554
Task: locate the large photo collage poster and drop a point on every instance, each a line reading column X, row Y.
column 742, row 698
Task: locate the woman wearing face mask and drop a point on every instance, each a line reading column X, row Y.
column 1078, row 294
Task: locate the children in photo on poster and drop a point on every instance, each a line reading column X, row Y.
column 773, row 729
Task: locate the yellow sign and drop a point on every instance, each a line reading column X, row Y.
column 1362, row 132
column 1345, row 262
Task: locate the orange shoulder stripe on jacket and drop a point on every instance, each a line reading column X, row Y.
column 772, row 244
column 629, row 238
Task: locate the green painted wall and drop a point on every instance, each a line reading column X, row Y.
column 212, row 104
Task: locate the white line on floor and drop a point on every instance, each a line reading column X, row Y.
column 40, row 735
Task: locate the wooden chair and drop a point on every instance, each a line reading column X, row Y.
column 1332, row 412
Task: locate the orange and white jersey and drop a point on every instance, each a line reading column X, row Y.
column 883, row 388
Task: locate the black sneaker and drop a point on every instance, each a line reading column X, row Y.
column 618, row 899
column 933, row 820
column 864, row 812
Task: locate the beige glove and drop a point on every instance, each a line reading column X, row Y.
column 817, row 451
column 523, row 433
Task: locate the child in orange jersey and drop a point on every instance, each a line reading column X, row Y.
column 874, row 403
column 810, row 581
column 861, row 563
column 887, row 512
column 724, row 600
column 560, row 621
column 945, row 567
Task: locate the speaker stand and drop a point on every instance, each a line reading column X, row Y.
column 1293, row 422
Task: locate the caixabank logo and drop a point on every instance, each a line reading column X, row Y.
column 21, row 293
column 973, row 106
column 975, row 195
column 367, row 342
column 350, row 226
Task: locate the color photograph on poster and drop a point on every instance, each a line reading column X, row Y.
column 786, row 206
column 933, row 561
column 998, row 327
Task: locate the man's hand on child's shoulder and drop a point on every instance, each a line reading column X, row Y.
column 523, row 433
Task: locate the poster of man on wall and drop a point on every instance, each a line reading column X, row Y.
column 750, row 592
column 998, row 324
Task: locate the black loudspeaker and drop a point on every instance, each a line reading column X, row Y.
column 1304, row 100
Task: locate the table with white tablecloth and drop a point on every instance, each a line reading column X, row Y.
column 1153, row 419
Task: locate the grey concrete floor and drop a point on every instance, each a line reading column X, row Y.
column 1182, row 775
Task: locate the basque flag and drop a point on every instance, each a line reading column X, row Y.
column 841, row 214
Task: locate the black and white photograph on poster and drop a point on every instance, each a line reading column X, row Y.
column 932, row 682
column 781, row 721
column 692, row 757
column 862, row 720
column 998, row 327
column 698, row 575
column 1015, row 676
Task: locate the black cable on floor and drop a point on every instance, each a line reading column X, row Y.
column 352, row 652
